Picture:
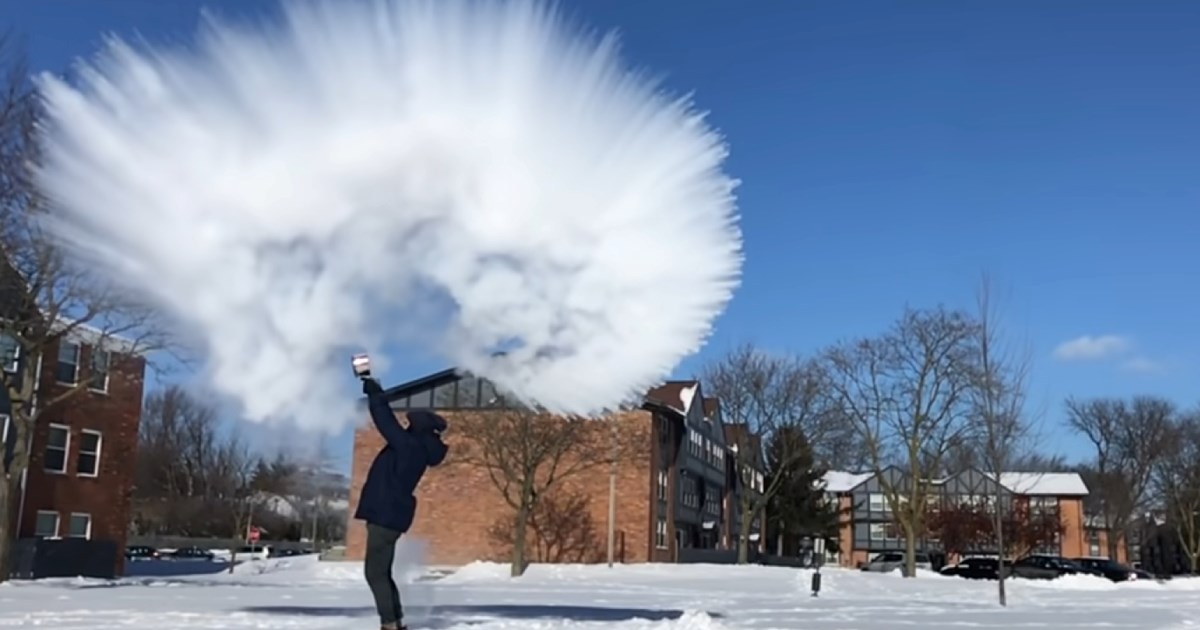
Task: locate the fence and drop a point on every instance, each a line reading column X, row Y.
column 35, row 559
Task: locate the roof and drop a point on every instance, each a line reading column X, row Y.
column 676, row 395
column 1028, row 484
column 739, row 433
column 1044, row 484
column 403, row 389
column 838, row 481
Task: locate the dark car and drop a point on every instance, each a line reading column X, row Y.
column 141, row 553
column 290, row 552
column 1111, row 569
column 979, row 568
column 193, row 554
column 1046, row 567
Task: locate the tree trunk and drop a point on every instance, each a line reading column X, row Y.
column 747, row 520
column 519, row 537
column 998, row 523
column 910, row 552
column 1114, row 538
column 8, row 504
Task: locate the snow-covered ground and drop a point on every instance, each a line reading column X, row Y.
column 304, row 593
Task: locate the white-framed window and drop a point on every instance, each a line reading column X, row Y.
column 101, row 362
column 10, row 353
column 884, row 531
column 660, row 533
column 876, row 502
column 58, row 444
column 5, row 421
column 47, row 524
column 80, row 526
column 662, row 484
column 66, row 371
column 88, row 463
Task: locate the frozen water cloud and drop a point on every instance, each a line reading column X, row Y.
column 477, row 176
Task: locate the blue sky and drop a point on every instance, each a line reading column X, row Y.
column 890, row 152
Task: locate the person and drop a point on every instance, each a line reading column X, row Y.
column 387, row 504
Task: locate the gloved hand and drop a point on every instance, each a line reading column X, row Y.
column 371, row 386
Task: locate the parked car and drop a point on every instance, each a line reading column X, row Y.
column 1046, row 567
column 254, row 552
column 977, row 568
column 141, row 553
column 191, row 554
column 1112, row 569
column 287, row 553
column 893, row 560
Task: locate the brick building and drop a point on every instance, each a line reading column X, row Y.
column 675, row 490
column 82, row 461
column 867, row 527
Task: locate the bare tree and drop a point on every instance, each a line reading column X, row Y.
column 1002, row 428
column 1130, row 440
column 46, row 299
column 908, row 395
column 527, row 454
column 763, row 395
column 1177, row 478
column 240, row 492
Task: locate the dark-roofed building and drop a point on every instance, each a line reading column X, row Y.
column 673, row 494
column 867, row 527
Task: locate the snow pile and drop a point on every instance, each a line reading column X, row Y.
column 479, row 572
column 1074, row 583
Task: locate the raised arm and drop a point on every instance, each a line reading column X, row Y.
column 383, row 416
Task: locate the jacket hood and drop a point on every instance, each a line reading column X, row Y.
column 425, row 422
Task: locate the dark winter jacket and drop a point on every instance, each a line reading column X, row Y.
column 387, row 496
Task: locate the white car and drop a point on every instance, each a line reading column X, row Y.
column 893, row 560
column 254, row 552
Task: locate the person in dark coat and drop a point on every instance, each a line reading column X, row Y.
column 387, row 503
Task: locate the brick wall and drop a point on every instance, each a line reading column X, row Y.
column 106, row 497
column 1074, row 536
column 458, row 504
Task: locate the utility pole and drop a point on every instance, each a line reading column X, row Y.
column 612, row 495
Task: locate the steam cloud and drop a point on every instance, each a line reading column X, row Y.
column 473, row 175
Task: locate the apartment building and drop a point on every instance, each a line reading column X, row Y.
column 674, row 492
column 81, row 471
column 867, row 526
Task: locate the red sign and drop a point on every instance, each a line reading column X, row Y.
column 254, row 534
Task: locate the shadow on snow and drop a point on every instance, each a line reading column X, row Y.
column 503, row 611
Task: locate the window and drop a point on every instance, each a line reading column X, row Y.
column 4, row 422
column 467, row 394
column 89, row 454
column 662, row 484
column 10, row 353
column 876, row 502
column 67, row 370
column 660, row 534
column 421, row 400
column 101, row 360
column 81, row 526
column 488, row 396
column 884, row 531
column 57, row 444
column 47, row 525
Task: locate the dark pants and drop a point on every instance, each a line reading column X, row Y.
column 381, row 553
